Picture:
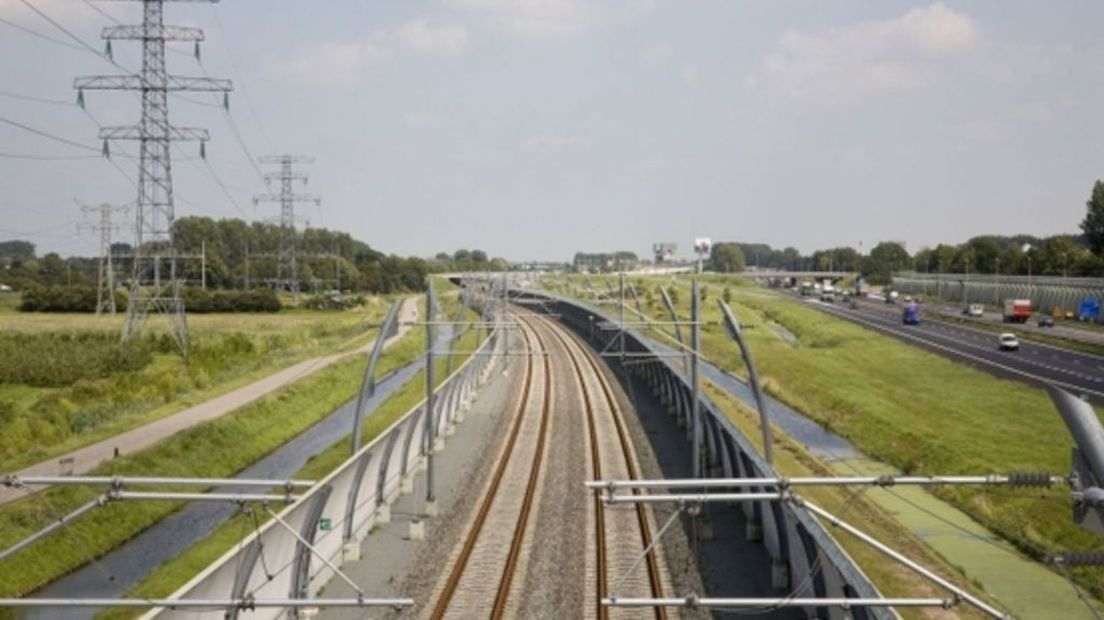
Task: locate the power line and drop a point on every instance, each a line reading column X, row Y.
column 12, row 95
column 238, row 76
column 244, row 147
column 97, row 9
column 46, row 157
column 63, row 29
column 38, row 34
column 48, row 135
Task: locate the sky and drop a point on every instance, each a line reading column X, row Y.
column 533, row 129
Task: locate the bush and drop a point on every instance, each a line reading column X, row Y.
column 64, row 299
column 260, row 300
column 59, row 359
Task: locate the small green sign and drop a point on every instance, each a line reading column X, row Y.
column 325, row 524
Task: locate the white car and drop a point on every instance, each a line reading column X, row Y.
column 1009, row 342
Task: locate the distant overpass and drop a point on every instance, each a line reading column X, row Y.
column 763, row 274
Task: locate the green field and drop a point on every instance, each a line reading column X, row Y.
column 914, row 410
column 65, row 383
column 219, row 448
column 167, row 578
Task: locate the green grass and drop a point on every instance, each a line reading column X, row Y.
column 228, row 351
column 171, row 575
column 911, row 409
column 791, row 459
column 218, row 448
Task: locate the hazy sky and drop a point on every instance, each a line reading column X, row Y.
column 536, row 128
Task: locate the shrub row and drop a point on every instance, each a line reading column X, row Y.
column 200, row 301
column 58, row 359
column 83, row 299
column 64, row 299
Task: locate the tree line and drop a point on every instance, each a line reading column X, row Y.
column 238, row 255
column 1067, row 255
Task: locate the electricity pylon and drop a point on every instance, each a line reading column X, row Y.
column 287, row 270
column 154, row 249
column 105, row 289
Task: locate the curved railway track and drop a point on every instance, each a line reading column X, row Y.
column 492, row 551
column 633, row 540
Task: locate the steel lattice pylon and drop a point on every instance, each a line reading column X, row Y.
column 105, row 288
column 154, row 282
column 287, row 268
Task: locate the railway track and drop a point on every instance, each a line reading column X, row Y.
column 617, row 544
column 482, row 570
column 486, row 577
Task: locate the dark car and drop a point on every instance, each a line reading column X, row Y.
column 1046, row 321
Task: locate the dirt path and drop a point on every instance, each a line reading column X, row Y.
column 84, row 459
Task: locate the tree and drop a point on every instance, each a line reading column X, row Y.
column 884, row 259
column 726, row 258
column 17, row 249
column 1093, row 224
column 982, row 253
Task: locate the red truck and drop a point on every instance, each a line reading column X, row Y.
column 1017, row 310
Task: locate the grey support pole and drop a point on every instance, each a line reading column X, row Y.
column 98, row 501
column 695, row 378
column 430, row 381
column 753, row 380
column 621, row 313
column 368, row 387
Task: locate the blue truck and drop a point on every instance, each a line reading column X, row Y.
column 1089, row 310
column 910, row 315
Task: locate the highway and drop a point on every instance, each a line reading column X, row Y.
column 1034, row 363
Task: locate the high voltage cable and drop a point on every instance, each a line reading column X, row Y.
column 72, row 36
column 238, row 74
column 34, row 99
column 47, row 157
column 38, row 34
column 86, row 47
column 48, row 135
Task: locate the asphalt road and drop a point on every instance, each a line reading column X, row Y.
column 1034, row 363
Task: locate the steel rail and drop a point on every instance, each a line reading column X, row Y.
column 453, row 581
column 654, row 578
column 499, row 608
column 596, row 463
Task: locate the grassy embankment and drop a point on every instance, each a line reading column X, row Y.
column 167, row 578
column 46, row 414
column 909, row 408
column 891, row 578
column 218, row 448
